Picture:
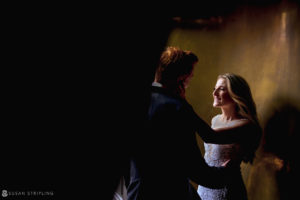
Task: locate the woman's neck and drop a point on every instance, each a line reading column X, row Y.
column 229, row 113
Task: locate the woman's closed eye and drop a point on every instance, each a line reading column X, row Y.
column 220, row 88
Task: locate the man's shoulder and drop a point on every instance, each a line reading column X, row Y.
column 162, row 93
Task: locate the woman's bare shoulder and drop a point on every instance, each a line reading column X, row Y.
column 215, row 119
column 234, row 124
column 240, row 122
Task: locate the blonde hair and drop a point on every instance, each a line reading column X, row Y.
column 240, row 92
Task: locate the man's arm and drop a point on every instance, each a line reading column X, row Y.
column 196, row 167
column 201, row 173
column 228, row 135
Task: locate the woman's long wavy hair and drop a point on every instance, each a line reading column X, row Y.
column 240, row 92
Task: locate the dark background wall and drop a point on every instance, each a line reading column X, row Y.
column 259, row 40
column 76, row 82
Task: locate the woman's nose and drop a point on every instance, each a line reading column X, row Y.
column 214, row 93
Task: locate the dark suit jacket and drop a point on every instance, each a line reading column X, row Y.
column 166, row 153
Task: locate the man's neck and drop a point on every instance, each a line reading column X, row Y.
column 180, row 91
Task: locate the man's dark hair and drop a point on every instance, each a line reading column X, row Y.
column 174, row 63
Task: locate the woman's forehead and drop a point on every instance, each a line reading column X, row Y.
column 221, row 81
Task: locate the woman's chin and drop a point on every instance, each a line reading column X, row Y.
column 216, row 105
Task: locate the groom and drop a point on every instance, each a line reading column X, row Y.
column 167, row 156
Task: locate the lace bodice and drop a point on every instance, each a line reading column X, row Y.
column 215, row 155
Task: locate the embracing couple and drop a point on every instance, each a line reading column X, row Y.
column 167, row 155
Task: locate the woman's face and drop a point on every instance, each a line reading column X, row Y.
column 221, row 95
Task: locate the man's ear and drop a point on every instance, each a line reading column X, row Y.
column 181, row 78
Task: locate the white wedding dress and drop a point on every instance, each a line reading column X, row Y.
column 215, row 155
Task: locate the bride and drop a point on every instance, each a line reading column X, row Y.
column 233, row 96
